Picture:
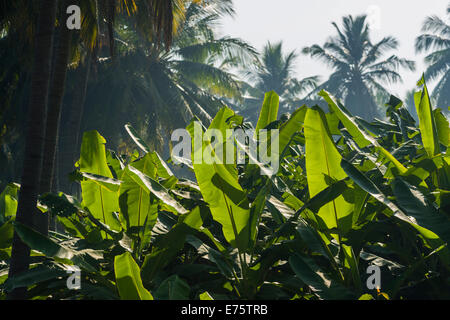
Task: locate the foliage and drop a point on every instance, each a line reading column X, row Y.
column 348, row 194
column 357, row 69
column 274, row 71
column 159, row 88
column 436, row 38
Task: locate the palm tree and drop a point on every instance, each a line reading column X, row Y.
column 163, row 14
column 357, row 69
column 157, row 20
column 16, row 60
column 275, row 72
column 436, row 38
column 159, row 89
column 35, row 138
column 47, row 86
column 17, row 33
column 61, row 53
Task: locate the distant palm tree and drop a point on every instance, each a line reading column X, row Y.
column 275, row 71
column 436, row 38
column 357, row 66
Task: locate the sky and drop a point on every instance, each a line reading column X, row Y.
column 300, row 23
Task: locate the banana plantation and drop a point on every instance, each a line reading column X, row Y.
column 123, row 176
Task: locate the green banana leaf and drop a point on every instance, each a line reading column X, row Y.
column 359, row 134
column 173, row 288
column 152, row 186
column 139, row 142
column 292, row 126
column 220, row 188
column 86, row 259
column 8, row 201
column 269, row 110
column 418, row 219
column 427, row 122
column 134, row 199
column 102, row 202
column 168, row 245
column 321, row 284
column 323, row 168
column 128, row 279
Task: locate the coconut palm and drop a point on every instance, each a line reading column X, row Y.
column 436, row 38
column 158, row 89
column 17, row 32
column 358, row 72
column 156, row 21
column 35, row 138
column 275, row 71
column 47, row 85
column 16, row 60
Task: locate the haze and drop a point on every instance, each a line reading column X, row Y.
column 303, row 23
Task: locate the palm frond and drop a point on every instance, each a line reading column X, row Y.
column 437, row 68
column 384, row 74
column 430, row 41
column 437, row 55
column 376, row 88
column 435, row 24
column 356, row 63
column 378, row 49
column 441, row 92
column 222, row 49
column 338, row 50
column 393, row 63
column 208, row 77
column 303, row 85
column 316, row 51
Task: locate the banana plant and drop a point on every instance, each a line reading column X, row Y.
column 349, row 196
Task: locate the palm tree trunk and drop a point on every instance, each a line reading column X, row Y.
column 360, row 102
column 76, row 125
column 20, row 254
column 55, row 97
column 69, row 140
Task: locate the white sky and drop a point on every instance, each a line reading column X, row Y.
column 301, row 23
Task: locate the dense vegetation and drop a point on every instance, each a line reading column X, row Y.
column 370, row 194
column 363, row 179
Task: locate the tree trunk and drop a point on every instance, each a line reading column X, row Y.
column 32, row 165
column 69, row 139
column 55, row 97
column 360, row 102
